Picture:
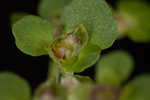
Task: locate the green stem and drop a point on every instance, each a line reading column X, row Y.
column 54, row 71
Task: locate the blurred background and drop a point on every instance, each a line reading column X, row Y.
column 34, row 69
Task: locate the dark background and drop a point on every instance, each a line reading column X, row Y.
column 34, row 69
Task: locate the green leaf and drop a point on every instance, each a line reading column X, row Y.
column 13, row 87
column 114, row 68
column 82, row 92
column 49, row 8
column 137, row 17
column 33, row 35
column 14, row 17
column 50, row 91
column 88, row 91
column 87, row 57
column 105, row 92
column 137, row 89
column 97, row 18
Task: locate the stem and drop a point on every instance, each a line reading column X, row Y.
column 54, row 71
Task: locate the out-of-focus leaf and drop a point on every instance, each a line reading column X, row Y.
column 33, row 35
column 137, row 89
column 114, row 68
column 49, row 8
column 97, row 18
column 82, row 92
column 71, row 82
column 87, row 91
column 50, row 90
column 12, row 87
column 136, row 15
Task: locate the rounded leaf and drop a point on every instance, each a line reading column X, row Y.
column 50, row 90
column 87, row 57
column 82, row 92
column 33, row 35
column 137, row 89
column 136, row 16
column 114, row 68
column 12, row 87
column 88, row 91
column 97, row 18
